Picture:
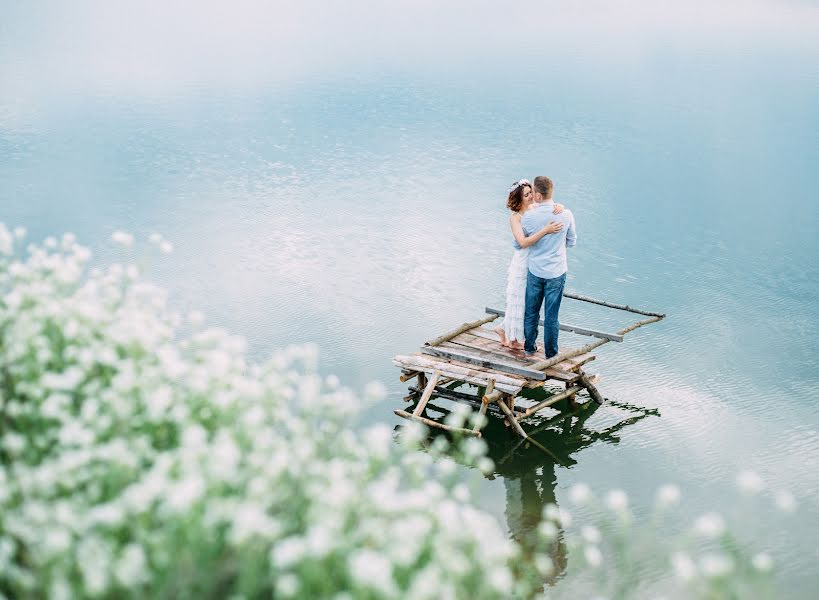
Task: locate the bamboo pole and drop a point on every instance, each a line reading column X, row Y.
column 640, row 324
column 545, row 364
column 465, row 327
column 549, row 401
column 612, row 305
column 422, row 403
column 484, row 405
column 549, row 362
column 436, row 424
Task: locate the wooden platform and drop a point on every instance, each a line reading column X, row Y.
column 473, row 353
column 510, row 369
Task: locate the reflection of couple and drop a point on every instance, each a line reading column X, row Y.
column 542, row 230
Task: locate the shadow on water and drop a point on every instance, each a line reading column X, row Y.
column 529, row 470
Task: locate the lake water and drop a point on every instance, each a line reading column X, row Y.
column 338, row 176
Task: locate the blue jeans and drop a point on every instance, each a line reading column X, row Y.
column 539, row 290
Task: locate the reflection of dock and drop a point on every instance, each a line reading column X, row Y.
column 529, row 475
column 473, row 354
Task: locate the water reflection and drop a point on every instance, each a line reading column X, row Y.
column 529, row 470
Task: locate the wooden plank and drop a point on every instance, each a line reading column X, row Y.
column 482, row 346
column 429, row 363
column 488, row 334
column 461, row 372
column 470, row 339
column 613, row 337
column 561, row 372
column 482, row 360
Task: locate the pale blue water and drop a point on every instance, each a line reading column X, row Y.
column 339, row 178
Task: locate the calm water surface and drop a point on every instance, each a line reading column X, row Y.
column 354, row 198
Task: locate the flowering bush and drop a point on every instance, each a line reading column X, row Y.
column 135, row 461
column 143, row 455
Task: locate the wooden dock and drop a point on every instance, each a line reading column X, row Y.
column 473, row 354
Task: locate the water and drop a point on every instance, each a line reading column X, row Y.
column 338, row 177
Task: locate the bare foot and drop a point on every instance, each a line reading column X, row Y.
column 502, row 334
column 517, row 345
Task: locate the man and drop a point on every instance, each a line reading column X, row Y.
column 547, row 268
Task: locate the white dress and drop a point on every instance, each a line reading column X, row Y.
column 516, row 295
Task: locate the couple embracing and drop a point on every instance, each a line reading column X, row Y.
column 542, row 230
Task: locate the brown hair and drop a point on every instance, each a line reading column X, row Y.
column 515, row 202
column 543, row 186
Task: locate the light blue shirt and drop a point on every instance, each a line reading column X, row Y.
column 547, row 257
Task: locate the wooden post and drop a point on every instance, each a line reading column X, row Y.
column 572, row 398
column 422, row 403
column 593, row 391
column 550, row 400
column 407, row 375
column 436, row 424
column 484, row 405
column 511, row 419
column 422, row 380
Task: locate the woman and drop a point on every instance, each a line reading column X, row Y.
column 520, row 200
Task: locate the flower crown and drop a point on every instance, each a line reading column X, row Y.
column 517, row 184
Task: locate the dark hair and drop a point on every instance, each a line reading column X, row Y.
column 515, row 201
column 543, row 186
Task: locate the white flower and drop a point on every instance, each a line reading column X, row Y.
column 545, row 565
column 710, row 525
column 548, row 530
column 762, row 562
column 684, row 567
column 288, row 552
column 580, row 494
column 551, row 511
column 474, row 448
column 370, row 569
column 749, row 482
column 379, row 440
column 196, row 318
column 122, row 238
column 714, row 565
column 501, row 579
column 486, row 465
column 668, row 495
column 785, row 501
column 131, row 568
column 593, row 556
column 375, row 390
column 6, row 241
column 591, row 534
column 287, row 585
column 617, row 500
